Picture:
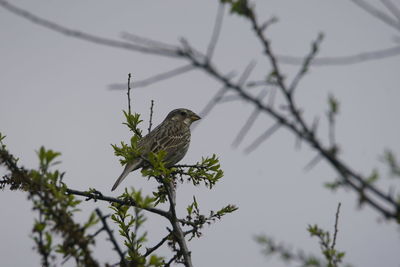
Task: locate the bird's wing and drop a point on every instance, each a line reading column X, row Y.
column 128, row 168
column 175, row 143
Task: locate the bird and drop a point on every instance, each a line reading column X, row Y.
column 172, row 135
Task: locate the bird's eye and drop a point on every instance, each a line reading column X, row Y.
column 183, row 113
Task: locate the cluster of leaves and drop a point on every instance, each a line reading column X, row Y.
column 327, row 245
column 271, row 247
column 126, row 222
column 208, row 171
column 55, row 208
column 332, row 257
column 128, row 152
column 133, row 121
column 197, row 220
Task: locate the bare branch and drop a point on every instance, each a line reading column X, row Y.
column 344, row 60
column 147, row 42
column 392, row 8
column 151, row 116
column 262, row 137
column 377, row 13
column 156, row 78
column 129, row 93
column 246, row 73
column 216, row 31
column 213, row 102
column 87, row 36
column 177, row 230
column 250, row 121
column 313, row 162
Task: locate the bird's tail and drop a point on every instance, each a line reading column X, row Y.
column 128, row 168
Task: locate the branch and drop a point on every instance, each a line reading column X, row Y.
column 151, row 116
column 177, row 230
column 249, row 123
column 392, row 8
column 159, row 244
column 111, row 236
column 216, row 32
column 154, row 79
column 343, row 60
column 270, row 131
column 129, row 94
column 336, row 229
column 155, row 50
column 96, row 195
column 377, row 14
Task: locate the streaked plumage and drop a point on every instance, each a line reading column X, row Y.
column 172, row 136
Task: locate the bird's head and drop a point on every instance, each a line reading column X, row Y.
column 183, row 115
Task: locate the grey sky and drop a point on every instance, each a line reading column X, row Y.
column 53, row 92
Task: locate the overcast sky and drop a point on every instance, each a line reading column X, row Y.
column 54, row 92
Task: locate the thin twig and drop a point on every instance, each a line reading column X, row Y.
column 268, row 23
column 377, row 13
column 41, row 247
column 313, row 162
column 336, row 226
column 87, row 36
column 246, row 73
column 129, row 93
column 159, row 244
column 151, row 115
column 111, row 236
column 155, row 78
column 262, row 138
column 220, row 94
column 212, row 103
column 167, row 264
column 147, row 42
column 344, row 60
column 392, row 8
column 128, row 202
column 250, row 121
column 306, row 63
column 216, row 31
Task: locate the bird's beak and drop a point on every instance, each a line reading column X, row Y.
column 195, row 117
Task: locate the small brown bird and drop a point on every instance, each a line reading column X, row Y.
column 172, row 136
